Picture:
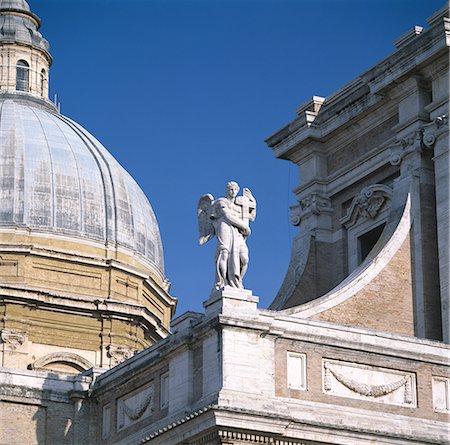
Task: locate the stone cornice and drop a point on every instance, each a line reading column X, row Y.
column 363, row 93
column 364, row 340
column 159, row 353
column 318, row 422
column 175, row 423
column 108, row 308
column 78, row 258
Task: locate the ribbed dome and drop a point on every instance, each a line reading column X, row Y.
column 56, row 178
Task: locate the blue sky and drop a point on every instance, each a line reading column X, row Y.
column 184, row 92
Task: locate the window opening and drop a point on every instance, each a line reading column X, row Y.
column 42, row 82
column 22, row 76
column 367, row 241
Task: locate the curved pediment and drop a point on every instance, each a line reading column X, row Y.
column 61, row 362
column 368, row 203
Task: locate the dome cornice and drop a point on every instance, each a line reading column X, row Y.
column 26, row 98
column 13, row 41
column 21, row 13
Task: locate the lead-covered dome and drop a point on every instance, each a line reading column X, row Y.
column 56, row 178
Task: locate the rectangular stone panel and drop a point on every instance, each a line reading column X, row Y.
column 369, row 383
column 296, row 370
column 441, row 394
column 164, row 390
column 70, row 277
column 8, row 268
column 106, row 421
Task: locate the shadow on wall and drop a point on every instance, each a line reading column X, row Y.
column 46, row 409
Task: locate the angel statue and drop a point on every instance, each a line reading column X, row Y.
column 228, row 218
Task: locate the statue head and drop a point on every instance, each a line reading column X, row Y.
column 232, row 189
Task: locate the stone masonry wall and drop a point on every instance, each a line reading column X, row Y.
column 385, row 303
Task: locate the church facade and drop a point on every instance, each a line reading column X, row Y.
column 353, row 349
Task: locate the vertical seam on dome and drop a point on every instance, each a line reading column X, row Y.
column 83, row 137
column 78, row 174
column 141, row 211
column 17, row 173
column 52, row 182
column 130, row 211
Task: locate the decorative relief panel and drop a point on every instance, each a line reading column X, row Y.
column 135, row 406
column 441, row 394
column 369, row 383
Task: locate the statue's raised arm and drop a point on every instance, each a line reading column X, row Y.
column 228, row 218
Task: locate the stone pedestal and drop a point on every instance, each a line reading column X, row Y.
column 230, row 301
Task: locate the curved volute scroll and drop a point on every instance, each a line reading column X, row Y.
column 362, row 287
column 24, row 53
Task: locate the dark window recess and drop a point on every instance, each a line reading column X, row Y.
column 367, row 242
column 42, row 82
column 22, row 76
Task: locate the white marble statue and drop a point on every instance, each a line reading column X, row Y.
column 228, row 218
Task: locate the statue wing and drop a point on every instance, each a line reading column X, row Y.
column 204, row 212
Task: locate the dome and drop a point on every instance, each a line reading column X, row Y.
column 57, row 179
column 19, row 25
column 19, row 5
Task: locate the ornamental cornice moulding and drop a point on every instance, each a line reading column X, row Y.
column 367, row 204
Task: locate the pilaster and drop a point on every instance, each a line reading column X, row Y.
column 414, row 155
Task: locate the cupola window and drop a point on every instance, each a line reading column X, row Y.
column 42, row 82
column 22, row 76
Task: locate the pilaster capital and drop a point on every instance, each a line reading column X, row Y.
column 315, row 203
column 422, row 139
column 13, row 339
column 119, row 354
